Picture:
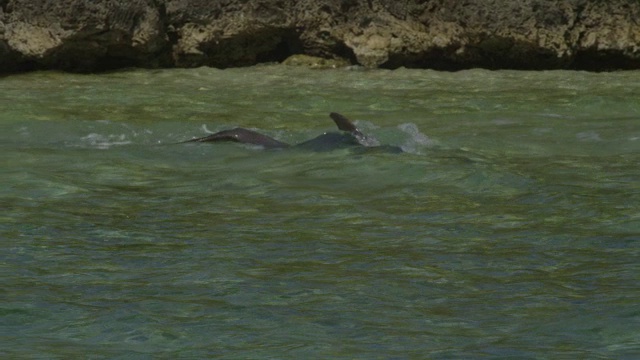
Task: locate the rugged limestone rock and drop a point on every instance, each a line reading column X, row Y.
column 96, row 35
column 81, row 35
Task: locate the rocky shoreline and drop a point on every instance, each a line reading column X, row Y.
column 100, row 35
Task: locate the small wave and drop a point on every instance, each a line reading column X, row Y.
column 503, row 122
column 588, row 136
column 105, row 141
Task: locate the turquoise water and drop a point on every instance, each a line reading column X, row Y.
column 509, row 227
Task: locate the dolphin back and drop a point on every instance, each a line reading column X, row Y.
column 243, row 136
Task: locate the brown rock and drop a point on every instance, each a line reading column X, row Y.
column 94, row 35
column 83, row 35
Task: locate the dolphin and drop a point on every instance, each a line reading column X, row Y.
column 350, row 136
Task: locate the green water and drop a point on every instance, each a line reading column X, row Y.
column 509, row 228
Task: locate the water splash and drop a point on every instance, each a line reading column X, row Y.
column 416, row 140
column 104, row 142
column 205, row 129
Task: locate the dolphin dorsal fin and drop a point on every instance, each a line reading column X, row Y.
column 345, row 124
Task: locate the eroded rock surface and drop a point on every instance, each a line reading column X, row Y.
column 96, row 35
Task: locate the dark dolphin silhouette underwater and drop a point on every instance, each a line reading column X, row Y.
column 350, row 137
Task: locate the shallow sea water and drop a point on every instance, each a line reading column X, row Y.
column 509, row 227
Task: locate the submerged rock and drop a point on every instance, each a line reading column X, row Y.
column 97, row 35
column 315, row 62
